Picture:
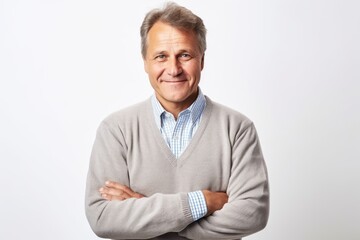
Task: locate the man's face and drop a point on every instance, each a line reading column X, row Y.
column 173, row 62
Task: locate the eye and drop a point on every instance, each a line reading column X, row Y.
column 185, row 56
column 160, row 57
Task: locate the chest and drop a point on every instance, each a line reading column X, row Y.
column 204, row 164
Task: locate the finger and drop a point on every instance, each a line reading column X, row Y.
column 113, row 194
column 112, row 191
column 111, row 197
column 106, row 196
column 119, row 186
column 120, row 198
column 123, row 188
column 137, row 195
column 115, row 185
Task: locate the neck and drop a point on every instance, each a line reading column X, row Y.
column 176, row 107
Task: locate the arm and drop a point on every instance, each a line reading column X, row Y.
column 248, row 206
column 140, row 218
column 115, row 191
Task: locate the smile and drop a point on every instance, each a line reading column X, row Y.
column 174, row 81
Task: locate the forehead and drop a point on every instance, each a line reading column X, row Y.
column 165, row 35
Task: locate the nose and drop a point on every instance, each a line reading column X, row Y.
column 174, row 67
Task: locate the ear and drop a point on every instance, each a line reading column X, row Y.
column 202, row 61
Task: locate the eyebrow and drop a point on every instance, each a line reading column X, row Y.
column 178, row 52
column 159, row 52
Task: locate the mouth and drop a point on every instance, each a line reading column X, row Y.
column 174, row 81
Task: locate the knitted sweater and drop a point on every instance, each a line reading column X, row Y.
column 224, row 155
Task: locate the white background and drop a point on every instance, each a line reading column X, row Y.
column 293, row 67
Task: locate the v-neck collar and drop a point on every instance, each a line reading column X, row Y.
column 195, row 109
column 192, row 144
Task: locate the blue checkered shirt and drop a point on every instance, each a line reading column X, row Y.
column 177, row 134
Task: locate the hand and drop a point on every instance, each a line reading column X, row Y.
column 214, row 200
column 116, row 191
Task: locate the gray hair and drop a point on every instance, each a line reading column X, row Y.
column 176, row 16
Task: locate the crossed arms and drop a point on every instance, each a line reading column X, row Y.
column 118, row 212
column 115, row 191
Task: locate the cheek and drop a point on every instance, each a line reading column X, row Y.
column 155, row 71
column 194, row 71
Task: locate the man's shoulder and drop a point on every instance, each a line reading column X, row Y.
column 229, row 114
column 129, row 113
column 225, row 118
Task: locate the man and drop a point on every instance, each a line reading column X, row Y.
column 178, row 165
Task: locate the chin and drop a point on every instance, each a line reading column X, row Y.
column 177, row 99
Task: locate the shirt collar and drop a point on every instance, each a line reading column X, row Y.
column 196, row 108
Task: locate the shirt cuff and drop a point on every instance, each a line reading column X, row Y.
column 197, row 204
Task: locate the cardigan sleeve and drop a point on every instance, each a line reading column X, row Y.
column 142, row 218
column 247, row 209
